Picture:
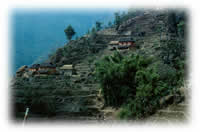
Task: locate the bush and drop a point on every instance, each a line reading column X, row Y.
column 116, row 74
column 36, row 95
column 43, row 105
column 134, row 83
column 39, row 101
column 148, row 93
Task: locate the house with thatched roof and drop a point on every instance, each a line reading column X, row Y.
column 34, row 67
column 113, row 45
column 47, row 68
column 128, row 41
column 66, row 70
column 43, row 69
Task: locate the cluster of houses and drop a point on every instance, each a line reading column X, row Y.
column 123, row 43
column 42, row 69
column 51, row 69
column 45, row 69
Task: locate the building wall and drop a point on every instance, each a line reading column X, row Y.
column 43, row 68
column 49, row 70
column 32, row 69
column 52, row 71
column 46, row 68
column 126, row 43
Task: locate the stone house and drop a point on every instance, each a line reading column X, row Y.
column 66, row 70
column 47, row 68
column 42, row 69
column 128, row 41
column 34, row 67
column 113, row 45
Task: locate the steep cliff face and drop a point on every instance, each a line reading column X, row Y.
column 78, row 96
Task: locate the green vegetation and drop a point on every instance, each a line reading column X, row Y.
column 135, row 83
column 39, row 94
column 77, row 50
column 181, row 28
column 176, row 22
column 109, row 24
column 122, row 17
column 98, row 26
column 69, row 32
column 93, row 33
column 172, row 22
column 172, row 51
column 117, row 20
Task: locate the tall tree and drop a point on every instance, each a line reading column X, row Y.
column 172, row 22
column 88, row 32
column 109, row 24
column 117, row 20
column 93, row 33
column 69, row 32
column 98, row 25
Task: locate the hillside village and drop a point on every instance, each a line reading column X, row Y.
column 65, row 86
column 46, row 69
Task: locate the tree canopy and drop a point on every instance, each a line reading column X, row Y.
column 117, row 20
column 98, row 25
column 136, row 83
column 69, row 32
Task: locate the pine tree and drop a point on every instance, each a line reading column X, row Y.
column 117, row 20
column 69, row 32
column 98, row 25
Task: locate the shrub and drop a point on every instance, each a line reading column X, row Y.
column 181, row 28
column 39, row 100
column 134, row 83
column 116, row 74
column 69, row 32
column 36, row 95
column 149, row 91
column 43, row 105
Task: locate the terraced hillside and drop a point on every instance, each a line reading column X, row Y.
column 78, row 97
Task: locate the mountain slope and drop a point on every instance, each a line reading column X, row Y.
column 79, row 97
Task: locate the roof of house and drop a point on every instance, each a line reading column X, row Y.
column 43, row 71
column 47, row 65
column 126, row 39
column 66, row 67
column 114, row 42
column 35, row 66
